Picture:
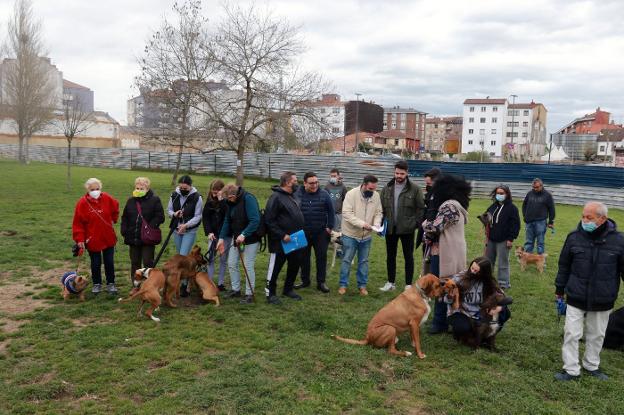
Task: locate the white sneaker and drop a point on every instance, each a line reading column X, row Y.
column 388, row 287
column 407, row 287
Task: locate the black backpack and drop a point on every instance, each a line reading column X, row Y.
column 261, row 232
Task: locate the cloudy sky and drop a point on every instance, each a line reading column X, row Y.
column 429, row 55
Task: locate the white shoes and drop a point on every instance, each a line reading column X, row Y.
column 388, row 287
column 407, row 287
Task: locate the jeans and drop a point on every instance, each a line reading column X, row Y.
column 319, row 242
column 499, row 250
column 109, row 265
column 249, row 259
column 349, row 248
column 536, row 229
column 222, row 261
column 276, row 262
column 184, row 243
column 141, row 255
column 439, row 309
column 392, row 244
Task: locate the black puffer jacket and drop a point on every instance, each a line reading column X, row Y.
column 590, row 267
column 213, row 216
column 153, row 213
column 504, row 222
column 282, row 216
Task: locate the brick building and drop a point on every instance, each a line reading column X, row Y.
column 590, row 123
column 407, row 120
column 443, row 135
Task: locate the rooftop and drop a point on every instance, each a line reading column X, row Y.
column 70, row 84
column 486, row 101
column 397, row 109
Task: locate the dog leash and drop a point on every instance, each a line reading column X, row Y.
column 166, row 242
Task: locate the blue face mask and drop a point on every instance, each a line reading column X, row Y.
column 500, row 198
column 589, row 226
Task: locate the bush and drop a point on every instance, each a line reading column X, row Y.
column 477, row 156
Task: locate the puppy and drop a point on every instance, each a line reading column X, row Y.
column 73, row 284
column 452, row 292
column 150, row 283
column 209, row 290
column 408, row 311
column 525, row 258
column 178, row 268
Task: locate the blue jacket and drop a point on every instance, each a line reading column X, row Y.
column 317, row 209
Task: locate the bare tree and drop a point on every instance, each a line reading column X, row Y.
column 28, row 95
column 254, row 53
column 75, row 121
column 173, row 70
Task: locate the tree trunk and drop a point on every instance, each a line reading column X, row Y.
column 68, row 165
column 26, row 150
column 178, row 161
column 20, row 150
column 240, row 173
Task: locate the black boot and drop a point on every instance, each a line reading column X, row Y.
column 322, row 287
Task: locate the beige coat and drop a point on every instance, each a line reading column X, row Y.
column 357, row 211
column 452, row 244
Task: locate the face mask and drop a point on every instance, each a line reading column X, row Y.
column 367, row 194
column 428, row 188
column 184, row 192
column 95, row 194
column 500, row 198
column 589, row 226
column 139, row 193
column 294, row 187
column 333, row 180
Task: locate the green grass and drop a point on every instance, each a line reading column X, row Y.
column 98, row 357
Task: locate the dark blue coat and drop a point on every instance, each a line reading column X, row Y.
column 317, row 209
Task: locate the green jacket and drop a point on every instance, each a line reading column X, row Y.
column 411, row 208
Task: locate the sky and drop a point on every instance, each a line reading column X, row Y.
column 429, row 55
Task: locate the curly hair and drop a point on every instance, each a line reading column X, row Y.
column 451, row 187
column 505, row 189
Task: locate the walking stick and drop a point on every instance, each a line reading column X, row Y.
column 242, row 260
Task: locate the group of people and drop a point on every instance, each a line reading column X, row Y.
column 590, row 265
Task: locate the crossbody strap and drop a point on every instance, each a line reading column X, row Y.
column 98, row 215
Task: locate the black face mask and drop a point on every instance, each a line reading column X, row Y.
column 367, row 194
column 184, row 192
column 294, row 187
column 428, row 188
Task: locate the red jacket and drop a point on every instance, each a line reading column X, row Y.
column 93, row 222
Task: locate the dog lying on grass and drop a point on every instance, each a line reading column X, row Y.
column 73, row 285
column 150, row 283
column 179, row 267
column 408, row 311
column 525, row 258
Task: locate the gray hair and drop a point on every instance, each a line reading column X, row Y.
column 91, row 181
column 600, row 208
column 538, row 180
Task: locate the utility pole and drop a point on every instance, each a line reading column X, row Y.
column 550, row 148
column 513, row 117
column 357, row 123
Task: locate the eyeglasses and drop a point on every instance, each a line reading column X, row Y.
column 313, row 183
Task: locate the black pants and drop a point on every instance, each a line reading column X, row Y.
column 109, row 265
column 392, row 244
column 462, row 324
column 320, row 243
column 141, row 256
column 276, row 262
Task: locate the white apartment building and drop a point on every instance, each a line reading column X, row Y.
column 484, row 125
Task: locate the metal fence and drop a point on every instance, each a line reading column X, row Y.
column 572, row 185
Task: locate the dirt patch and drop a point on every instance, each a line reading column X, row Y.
column 8, row 233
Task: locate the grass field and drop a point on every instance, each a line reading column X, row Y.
column 98, row 357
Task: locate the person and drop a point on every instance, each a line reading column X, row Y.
column 403, row 207
column 538, row 210
column 444, row 236
column 591, row 264
column 92, row 228
column 213, row 216
column 360, row 212
column 240, row 226
column 430, row 176
column 318, row 213
column 283, row 217
column 185, row 210
column 152, row 212
column 502, row 230
column 337, row 192
column 476, row 286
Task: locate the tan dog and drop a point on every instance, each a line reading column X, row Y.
column 452, row 291
column 73, row 285
column 334, row 239
column 525, row 258
column 179, row 267
column 408, row 311
column 209, row 290
column 150, row 281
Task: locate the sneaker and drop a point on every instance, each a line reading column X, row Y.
column 293, row 295
column 274, row 299
column 221, row 288
column 407, row 287
column 97, row 288
column 598, row 374
column 363, row 291
column 111, row 289
column 388, row 287
column 232, row 294
column 248, row 299
column 342, row 290
column 565, row 376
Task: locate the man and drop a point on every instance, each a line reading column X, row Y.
column 283, row 217
column 319, row 216
column 360, row 212
column 430, row 213
column 403, row 207
column 538, row 210
column 337, row 192
column 590, row 267
column 240, row 225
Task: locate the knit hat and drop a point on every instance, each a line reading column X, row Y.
column 186, row 179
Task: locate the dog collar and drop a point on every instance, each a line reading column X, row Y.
column 421, row 292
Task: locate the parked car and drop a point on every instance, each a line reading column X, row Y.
column 391, row 156
column 362, row 154
column 336, row 153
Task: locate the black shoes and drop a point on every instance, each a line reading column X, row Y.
column 565, row 376
column 598, row 374
column 322, row 287
column 248, row 299
column 293, row 295
column 302, row 285
column 232, row 294
column 274, row 299
column 221, row 288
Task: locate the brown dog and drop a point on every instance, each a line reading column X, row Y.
column 408, row 311
column 209, row 290
column 485, row 330
column 525, row 258
column 150, row 281
column 452, row 291
column 179, row 267
column 73, row 284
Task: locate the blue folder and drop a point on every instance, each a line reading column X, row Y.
column 297, row 241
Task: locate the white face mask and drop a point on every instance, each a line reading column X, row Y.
column 95, row 193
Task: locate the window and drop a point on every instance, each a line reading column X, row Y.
column 394, row 117
column 435, row 125
column 470, row 142
column 602, row 148
column 470, row 131
column 494, row 109
column 515, row 134
column 494, row 120
column 513, row 112
column 481, row 143
column 396, row 141
column 471, row 109
column 513, row 124
column 369, row 140
column 493, row 130
column 481, row 132
column 403, row 124
column 471, row 119
column 526, row 113
column 525, row 123
column 322, row 110
column 336, row 110
column 394, row 124
column 335, row 129
column 525, row 135
column 493, row 142
column 385, row 124
column 482, row 120
column 483, row 109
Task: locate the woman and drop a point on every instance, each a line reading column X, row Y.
column 185, row 210
column 503, row 228
column 445, row 244
column 213, row 216
column 92, row 228
column 151, row 211
column 476, row 287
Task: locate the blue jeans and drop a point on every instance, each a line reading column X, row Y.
column 184, row 243
column 222, row 261
column 249, row 259
column 536, row 229
column 349, row 248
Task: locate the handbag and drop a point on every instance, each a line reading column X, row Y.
column 149, row 235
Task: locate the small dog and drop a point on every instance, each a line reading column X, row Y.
column 525, row 258
column 209, row 290
column 452, row 292
column 335, row 239
column 408, row 311
column 73, row 284
column 150, row 283
column 180, row 267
